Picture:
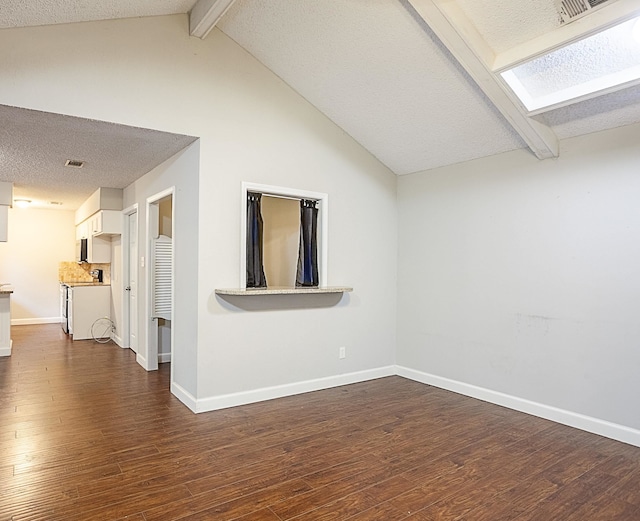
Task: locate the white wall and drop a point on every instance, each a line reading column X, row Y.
column 252, row 127
column 180, row 172
column 523, row 276
column 515, row 275
column 39, row 240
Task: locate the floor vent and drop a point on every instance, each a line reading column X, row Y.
column 570, row 10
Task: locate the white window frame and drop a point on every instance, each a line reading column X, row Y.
column 289, row 193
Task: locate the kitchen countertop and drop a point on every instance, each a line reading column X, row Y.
column 74, row 284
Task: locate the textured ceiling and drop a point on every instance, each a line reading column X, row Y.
column 377, row 70
column 379, row 74
column 504, row 23
column 36, row 145
column 372, row 66
column 18, row 13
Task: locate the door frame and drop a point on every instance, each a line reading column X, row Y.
column 126, row 273
column 151, row 337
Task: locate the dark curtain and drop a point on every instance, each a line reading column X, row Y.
column 307, row 274
column 255, row 269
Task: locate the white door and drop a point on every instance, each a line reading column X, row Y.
column 132, row 286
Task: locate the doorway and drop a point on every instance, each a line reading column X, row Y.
column 160, row 276
column 130, row 272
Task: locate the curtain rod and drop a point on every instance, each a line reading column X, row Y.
column 289, row 197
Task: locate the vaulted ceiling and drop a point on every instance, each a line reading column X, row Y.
column 416, row 82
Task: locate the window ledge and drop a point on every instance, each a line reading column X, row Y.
column 240, row 292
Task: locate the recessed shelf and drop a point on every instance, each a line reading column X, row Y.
column 241, row 292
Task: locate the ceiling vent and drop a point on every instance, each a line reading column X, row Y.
column 75, row 163
column 570, row 10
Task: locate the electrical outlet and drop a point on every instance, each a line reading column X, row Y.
column 342, row 353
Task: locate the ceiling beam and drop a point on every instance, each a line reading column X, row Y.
column 461, row 38
column 205, row 15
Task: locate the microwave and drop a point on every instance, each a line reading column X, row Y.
column 82, row 250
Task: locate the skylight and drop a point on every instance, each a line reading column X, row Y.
column 604, row 62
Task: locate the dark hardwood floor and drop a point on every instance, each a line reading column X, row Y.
column 87, row 435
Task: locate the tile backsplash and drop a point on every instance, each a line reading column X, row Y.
column 74, row 272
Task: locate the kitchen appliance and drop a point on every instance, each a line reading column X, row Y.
column 96, row 274
column 82, row 250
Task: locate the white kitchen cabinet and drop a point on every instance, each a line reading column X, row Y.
column 86, row 305
column 82, row 230
column 99, row 250
column 6, row 200
column 98, row 229
column 4, row 223
column 106, row 222
column 102, row 199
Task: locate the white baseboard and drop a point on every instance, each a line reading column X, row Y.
column 279, row 391
column 6, row 351
column 37, row 320
column 118, row 340
column 164, row 358
column 142, row 361
column 184, row 396
column 572, row 419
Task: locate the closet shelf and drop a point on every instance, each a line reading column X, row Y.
column 241, row 292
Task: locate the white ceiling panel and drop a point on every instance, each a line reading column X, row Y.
column 35, row 146
column 372, row 66
column 506, row 23
column 18, row 13
column 378, row 73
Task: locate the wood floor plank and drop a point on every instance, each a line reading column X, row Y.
column 108, row 507
column 259, row 515
column 382, row 512
column 87, row 435
column 468, row 497
column 362, row 500
column 604, row 508
column 211, row 507
column 330, row 493
column 627, row 487
column 563, row 503
column 511, row 503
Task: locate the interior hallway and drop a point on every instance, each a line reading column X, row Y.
column 86, row 434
